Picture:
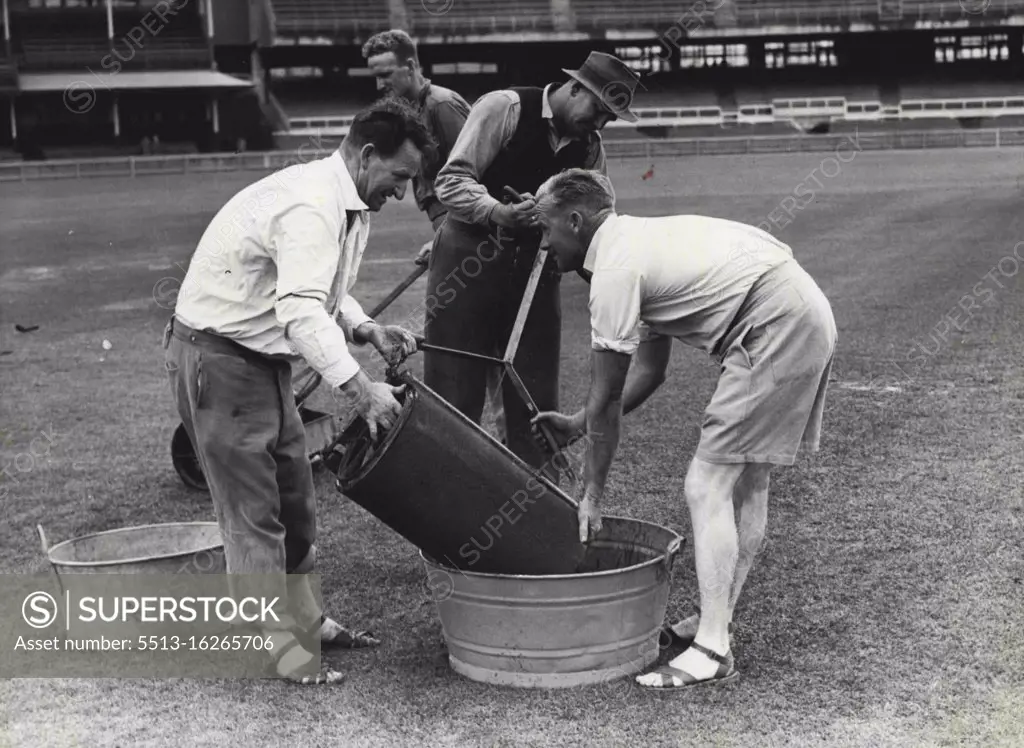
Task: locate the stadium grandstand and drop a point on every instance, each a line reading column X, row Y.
column 95, row 77
column 292, row 69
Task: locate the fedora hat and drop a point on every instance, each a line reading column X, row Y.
column 611, row 81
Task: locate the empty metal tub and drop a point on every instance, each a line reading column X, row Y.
column 565, row 630
column 173, row 549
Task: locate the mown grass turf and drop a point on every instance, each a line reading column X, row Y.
column 886, row 608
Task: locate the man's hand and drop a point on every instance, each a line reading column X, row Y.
column 423, row 256
column 373, row 401
column 517, row 215
column 589, row 514
column 565, row 428
column 394, row 343
column 516, row 197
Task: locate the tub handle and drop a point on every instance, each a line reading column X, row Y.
column 53, row 567
column 43, row 541
column 673, row 549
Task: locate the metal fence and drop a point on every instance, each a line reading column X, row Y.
column 139, row 166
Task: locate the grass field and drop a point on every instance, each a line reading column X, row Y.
column 885, row 610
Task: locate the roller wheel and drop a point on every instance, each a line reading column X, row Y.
column 185, row 460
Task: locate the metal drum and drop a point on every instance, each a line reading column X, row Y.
column 565, row 630
column 458, row 494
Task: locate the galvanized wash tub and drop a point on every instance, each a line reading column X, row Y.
column 563, row 630
column 173, row 549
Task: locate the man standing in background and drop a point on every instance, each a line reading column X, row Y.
column 516, row 138
column 394, row 61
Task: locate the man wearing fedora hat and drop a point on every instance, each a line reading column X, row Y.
column 483, row 255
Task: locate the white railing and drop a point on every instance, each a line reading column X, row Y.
column 137, row 166
column 868, row 141
column 811, row 107
column 999, row 106
column 756, row 114
column 779, row 110
column 320, row 123
column 864, row 110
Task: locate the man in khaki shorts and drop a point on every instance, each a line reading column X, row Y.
column 735, row 292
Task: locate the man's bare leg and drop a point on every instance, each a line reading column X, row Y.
column 709, row 495
column 750, row 498
column 750, row 502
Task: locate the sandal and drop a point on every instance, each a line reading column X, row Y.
column 343, row 638
column 726, row 673
column 325, row 677
column 668, row 637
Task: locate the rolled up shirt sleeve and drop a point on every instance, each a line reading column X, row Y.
column 615, row 311
column 306, row 247
column 491, row 123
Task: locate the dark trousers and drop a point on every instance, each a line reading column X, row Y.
column 475, row 286
column 239, row 410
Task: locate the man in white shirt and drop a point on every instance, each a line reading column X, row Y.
column 736, row 293
column 272, row 271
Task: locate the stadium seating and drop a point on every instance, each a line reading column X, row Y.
column 57, row 53
column 329, row 17
column 769, row 12
column 777, row 117
column 661, row 14
column 795, row 93
column 849, row 91
column 961, row 89
column 177, row 45
column 334, row 17
column 480, row 16
column 656, row 97
column 652, row 14
column 691, row 15
column 73, row 38
column 934, row 10
column 322, row 102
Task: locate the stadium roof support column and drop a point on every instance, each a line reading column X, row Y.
column 110, row 20
column 117, row 115
column 209, row 19
column 208, row 12
column 7, row 31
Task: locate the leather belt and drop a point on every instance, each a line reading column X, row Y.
column 218, row 343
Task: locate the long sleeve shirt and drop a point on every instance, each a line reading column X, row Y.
column 445, row 113
column 491, row 124
column 276, row 266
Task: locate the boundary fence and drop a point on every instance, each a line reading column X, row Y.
column 140, row 166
